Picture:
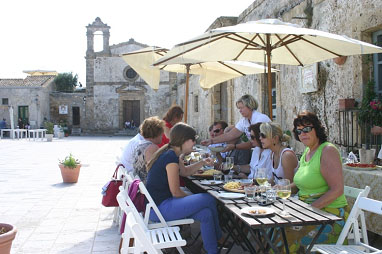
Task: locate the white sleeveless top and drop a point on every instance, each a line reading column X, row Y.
column 279, row 171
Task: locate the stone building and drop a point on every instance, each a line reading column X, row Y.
column 29, row 98
column 357, row 19
column 114, row 91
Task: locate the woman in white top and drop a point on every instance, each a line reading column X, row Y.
column 284, row 160
column 261, row 158
column 247, row 106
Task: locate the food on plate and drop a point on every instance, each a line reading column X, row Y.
column 360, row 165
column 210, row 172
column 258, row 211
column 232, row 185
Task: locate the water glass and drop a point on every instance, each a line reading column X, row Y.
column 250, row 192
column 217, row 177
column 271, row 194
column 228, row 178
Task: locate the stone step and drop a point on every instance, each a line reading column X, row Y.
column 76, row 132
column 127, row 132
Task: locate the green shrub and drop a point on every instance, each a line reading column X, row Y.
column 70, row 161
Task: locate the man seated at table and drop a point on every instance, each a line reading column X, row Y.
column 241, row 157
column 3, row 124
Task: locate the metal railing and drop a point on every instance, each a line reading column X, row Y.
column 352, row 135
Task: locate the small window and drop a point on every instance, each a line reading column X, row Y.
column 4, row 101
column 196, row 103
column 130, row 74
column 377, row 39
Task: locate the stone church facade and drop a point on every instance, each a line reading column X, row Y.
column 114, row 91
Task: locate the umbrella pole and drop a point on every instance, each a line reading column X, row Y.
column 186, row 94
column 268, row 49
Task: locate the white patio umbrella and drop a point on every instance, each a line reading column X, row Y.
column 283, row 43
column 211, row 73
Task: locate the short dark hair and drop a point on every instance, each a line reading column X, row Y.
column 307, row 118
column 223, row 124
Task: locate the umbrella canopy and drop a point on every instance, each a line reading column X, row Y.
column 285, row 42
column 211, row 73
column 141, row 61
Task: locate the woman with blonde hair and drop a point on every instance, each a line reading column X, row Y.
column 152, row 130
column 172, row 201
column 284, row 160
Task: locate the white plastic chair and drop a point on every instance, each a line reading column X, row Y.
column 351, row 192
column 361, row 204
column 151, row 205
column 145, row 240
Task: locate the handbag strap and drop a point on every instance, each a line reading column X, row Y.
column 116, row 170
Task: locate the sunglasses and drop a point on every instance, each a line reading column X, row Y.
column 306, row 129
column 217, row 130
column 262, row 135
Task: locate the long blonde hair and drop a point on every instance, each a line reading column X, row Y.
column 179, row 134
column 272, row 130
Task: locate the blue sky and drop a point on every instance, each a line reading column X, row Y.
column 51, row 35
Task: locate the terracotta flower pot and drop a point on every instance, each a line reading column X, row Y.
column 70, row 175
column 340, row 60
column 7, row 238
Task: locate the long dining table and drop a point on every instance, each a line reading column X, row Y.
column 257, row 233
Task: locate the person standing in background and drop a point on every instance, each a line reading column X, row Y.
column 173, row 116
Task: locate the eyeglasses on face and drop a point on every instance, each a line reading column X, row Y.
column 306, row 129
column 217, row 130
column 262, row 135
column 253, row 137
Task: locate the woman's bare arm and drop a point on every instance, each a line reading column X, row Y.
column 331, row 170
column 173, row 180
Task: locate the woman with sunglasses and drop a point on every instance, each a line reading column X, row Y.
column 163, row 185
column 247, row 106
column 319, row 181
column 261, row 158
column 284, row 160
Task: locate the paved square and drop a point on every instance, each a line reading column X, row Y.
column 53, row 217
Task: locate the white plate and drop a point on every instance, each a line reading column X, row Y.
column 229, row 195
column 210, row 182
column 216, row 149
column 253, row 210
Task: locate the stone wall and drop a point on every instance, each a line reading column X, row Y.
column 68, row 99
column 354, row 18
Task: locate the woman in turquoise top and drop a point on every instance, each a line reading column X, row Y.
column 319, row 182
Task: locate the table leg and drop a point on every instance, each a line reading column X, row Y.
column 315, row 238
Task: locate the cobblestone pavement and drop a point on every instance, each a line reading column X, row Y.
column 53, row 217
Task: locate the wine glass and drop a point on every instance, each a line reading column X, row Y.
column 230, row 162
column 261, row 176
column 225, row 168
column 283, row 191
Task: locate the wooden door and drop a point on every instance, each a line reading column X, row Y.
column 76, row 115
column 131, row 111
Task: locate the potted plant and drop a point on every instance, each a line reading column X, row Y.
column 370, row 112
column 7, row 234
column 49, row 131
column 70, row 169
